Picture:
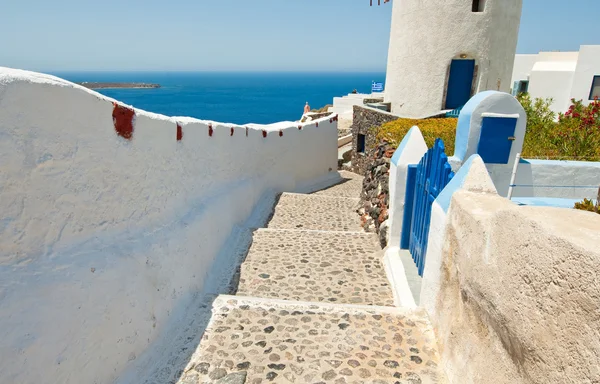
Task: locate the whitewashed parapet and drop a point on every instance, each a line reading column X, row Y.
column 474, row 177
column 411, row 150
column 115, row 220
column 510, row 287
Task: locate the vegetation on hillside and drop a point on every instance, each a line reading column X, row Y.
column 394, row 131
column 575, row 135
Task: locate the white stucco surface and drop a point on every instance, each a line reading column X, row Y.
column 473, row 176
column 518, row 293
column 553, row 80
column 588, row 66
column 427, row 35
column 561, row 76
column 410, row 151
column 105, row 242
column 549, row 178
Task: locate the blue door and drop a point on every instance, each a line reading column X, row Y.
column 460, row 83
column 495, row 141
column 426, row 180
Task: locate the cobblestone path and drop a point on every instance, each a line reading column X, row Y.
column 314, row 305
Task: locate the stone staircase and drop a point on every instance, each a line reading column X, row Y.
column 314, row 305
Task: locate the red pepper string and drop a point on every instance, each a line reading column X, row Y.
column 179, row 132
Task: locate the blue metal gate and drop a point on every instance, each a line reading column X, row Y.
column 432, row 175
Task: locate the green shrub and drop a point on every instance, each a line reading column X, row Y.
column 431, row 129
column 575, row 136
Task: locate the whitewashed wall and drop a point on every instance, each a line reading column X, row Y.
column 409, row 152
column 513, row 291
column 588, row 66
column 105, row 242
column 427, row 35
column 549, row 178
column 553, row 79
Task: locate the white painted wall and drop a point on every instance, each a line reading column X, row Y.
column 588, row 66
column 553, row 79
column 517, row 298
column 560, row 75
column 473, row 176
column 550, row 178
column 427, row 35
column 410, row 151
column 104, row 242
column 522, row 67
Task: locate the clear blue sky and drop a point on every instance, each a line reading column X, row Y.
column 328, row 35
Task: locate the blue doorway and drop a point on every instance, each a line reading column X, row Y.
column 495, row 141
column 460, row 82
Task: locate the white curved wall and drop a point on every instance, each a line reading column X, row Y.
column 427, row 35
column 105, row 242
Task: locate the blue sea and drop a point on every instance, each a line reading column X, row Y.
column 238, row 98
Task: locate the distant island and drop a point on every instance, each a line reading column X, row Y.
column 95, row 85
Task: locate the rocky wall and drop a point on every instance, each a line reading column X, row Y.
column 366, row 121
column 374, row 203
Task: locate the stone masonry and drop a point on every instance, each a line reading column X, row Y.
column 314, row 305
column 366, row 121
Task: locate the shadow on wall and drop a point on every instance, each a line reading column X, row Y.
column 110, row 232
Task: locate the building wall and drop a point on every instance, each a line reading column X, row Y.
column 366, row 121
column 518, row 293
column 549, row 178
column 588, row 66
column 522, row 67
column 511, row 291
column 426, row 36
column 106, row 242
column 553, row 80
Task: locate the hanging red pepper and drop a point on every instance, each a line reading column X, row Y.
column 179, row 132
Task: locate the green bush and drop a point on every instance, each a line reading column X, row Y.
column 574, row 136
column 394, row 131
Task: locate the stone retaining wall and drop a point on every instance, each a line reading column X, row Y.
column 375, row 194
column 366, row 121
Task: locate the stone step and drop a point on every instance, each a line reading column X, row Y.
column 251, row 340
column 304, row 265
column 351, row 186
column 326, row 213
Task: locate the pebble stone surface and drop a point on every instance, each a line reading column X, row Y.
column 324, row 213
column 336, row 267
column 254, row 341
column 313, row 305
column 351, row 186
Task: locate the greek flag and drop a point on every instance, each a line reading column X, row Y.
column 377, row 87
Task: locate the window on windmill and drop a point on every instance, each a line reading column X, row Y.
column 595, row 91
column 360, row 143
column 478, row 5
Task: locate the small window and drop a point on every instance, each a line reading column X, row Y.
column 478, row 5
column 523, row 86
column 595, row 92
column 360, row 143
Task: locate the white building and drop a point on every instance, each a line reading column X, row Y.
column 444, row 51
column 560, row 75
